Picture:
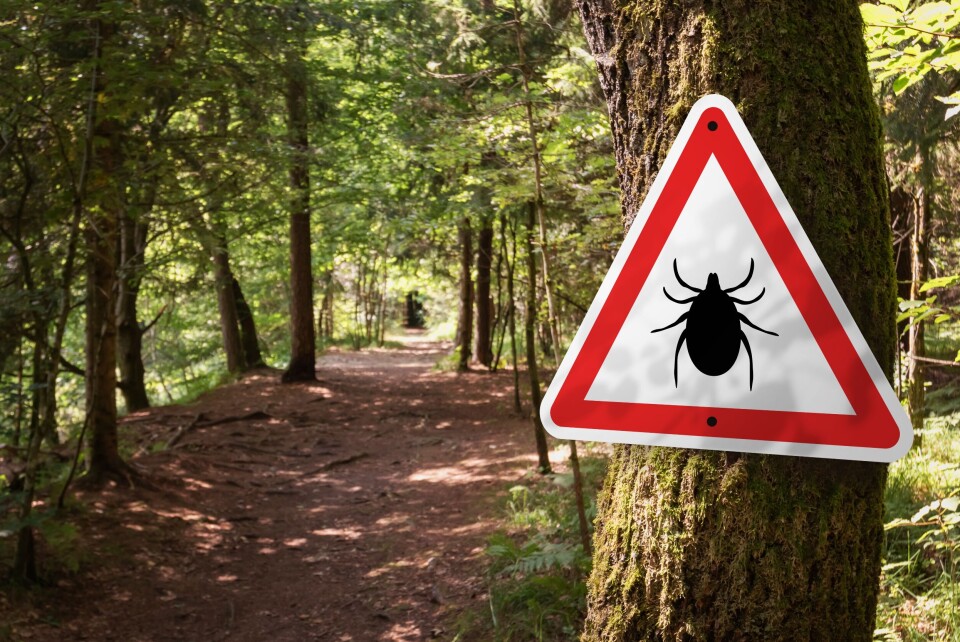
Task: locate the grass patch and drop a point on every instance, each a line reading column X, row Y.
column 920, row 584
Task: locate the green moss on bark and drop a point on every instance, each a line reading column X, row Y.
column 704, row 545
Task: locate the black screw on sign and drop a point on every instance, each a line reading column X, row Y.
column 712, row 331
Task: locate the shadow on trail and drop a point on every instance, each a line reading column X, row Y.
column 353, row 509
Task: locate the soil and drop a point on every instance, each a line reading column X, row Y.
column 353, row 509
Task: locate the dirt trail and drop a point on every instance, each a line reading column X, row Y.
column 352, row 509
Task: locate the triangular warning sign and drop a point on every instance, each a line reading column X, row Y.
column 718, row 327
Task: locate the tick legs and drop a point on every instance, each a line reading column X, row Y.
column 753, row 300
column 745, row 281
column 746, row 344
column 681, row 301
column 676, row 358
column 750, row 323
column 676, row 273
column 683, row 317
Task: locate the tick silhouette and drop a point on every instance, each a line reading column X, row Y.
column 712, row 331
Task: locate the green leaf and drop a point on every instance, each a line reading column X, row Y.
column 920, row 514
column 897, row 523
column 928, row 14
column 901, row 83
column 950, row 503
column 940, row 282
column 879, row 14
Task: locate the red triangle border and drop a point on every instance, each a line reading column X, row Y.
column 872, row 426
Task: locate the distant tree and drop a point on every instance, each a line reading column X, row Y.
column 465, row 322
column 702, row 545
column 483, row 297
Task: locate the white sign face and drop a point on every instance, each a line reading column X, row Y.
column 718, row 327
column 713, row 234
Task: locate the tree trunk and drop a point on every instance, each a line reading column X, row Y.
column 919, row 260
column 700, row 545
column 101, row 324
column 465, row 324
column 325, row 322
column 101, row 327
column 133, row 236
column 248, row 329
column 302, row 342
column 903, row 206
column 512, row 315
column 227, row 305
column 530, row 323
column 484, row 301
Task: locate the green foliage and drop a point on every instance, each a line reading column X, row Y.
column 921, row 568
column 944, row 342
column 908, row 40
column 58, row 538
column 538, row 566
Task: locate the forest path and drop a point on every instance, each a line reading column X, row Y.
column 356, row 508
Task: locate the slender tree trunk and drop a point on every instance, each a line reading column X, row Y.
column 533, row 370
column 382, row 308
column 553, row 321
column 227, row 305
column 700, row 545
column 25, row 559
column 919, row 262
column 578, row 497
column 248, row 329
column 302, row 340
column 465, row 325
column 512, row 320
column 134, row 228
column 133, row 235
column 902, row 213
column 484, row 300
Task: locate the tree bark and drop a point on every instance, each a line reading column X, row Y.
column 101, row 324
column 302, row 337
column 699, row 545
column 133, row 235
column 484, row 301
column 530, row 323
column 227, row 306
column 465, row 324
column 101, row 327
column 252, row 358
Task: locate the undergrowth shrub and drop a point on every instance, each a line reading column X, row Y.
column 538, row 567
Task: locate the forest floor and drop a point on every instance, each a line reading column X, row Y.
column 353, row 509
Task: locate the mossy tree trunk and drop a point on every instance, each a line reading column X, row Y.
column 699, row 545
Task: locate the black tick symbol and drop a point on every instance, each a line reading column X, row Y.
column 712, row 331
